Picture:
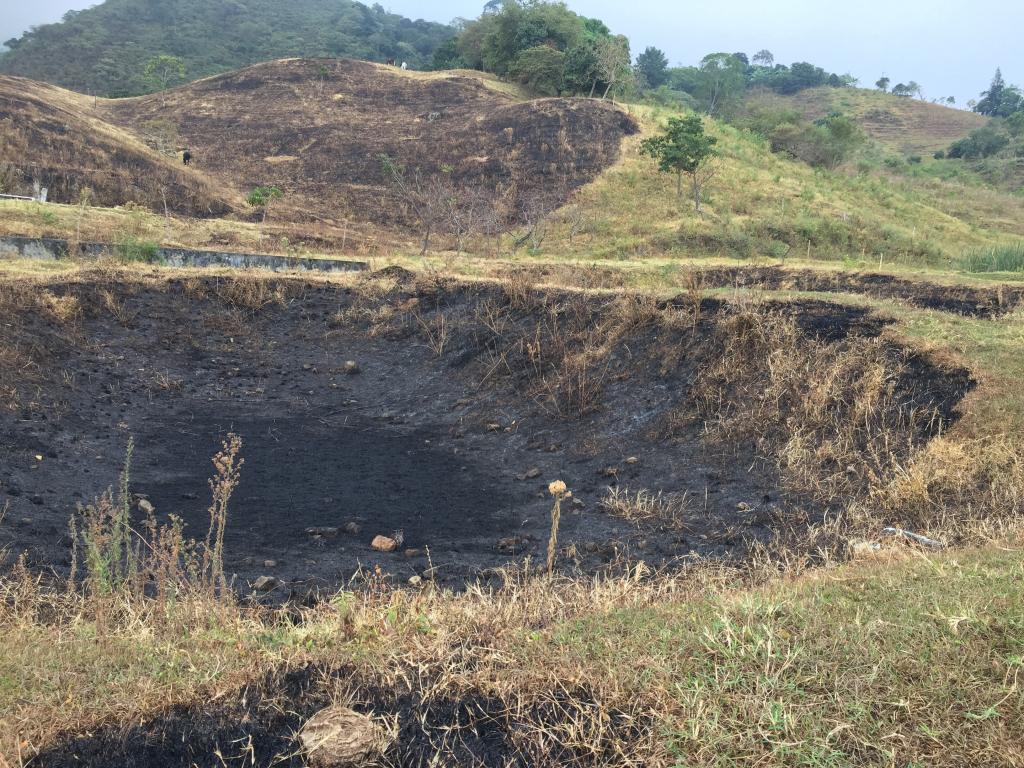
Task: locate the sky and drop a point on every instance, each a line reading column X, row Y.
column 950, row 47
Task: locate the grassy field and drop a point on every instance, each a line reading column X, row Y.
column 900, row 660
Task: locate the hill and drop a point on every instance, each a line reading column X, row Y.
column 318, row 134
column 103, row 50
column 54, row 137
column 905, row 125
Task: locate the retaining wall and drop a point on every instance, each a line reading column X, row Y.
column 53, row 249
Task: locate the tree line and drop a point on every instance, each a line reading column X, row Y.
column 104, row 50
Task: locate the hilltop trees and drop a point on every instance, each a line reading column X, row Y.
column 104, row 49
column 652, row 66
column 1000, row 100
column 882, row 84
column 721, row 81
column 529, row 40
column 683, row 149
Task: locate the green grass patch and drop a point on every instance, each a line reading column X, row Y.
column 1005, row 258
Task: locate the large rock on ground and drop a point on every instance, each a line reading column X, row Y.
column 339, row 737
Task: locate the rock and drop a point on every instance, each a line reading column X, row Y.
column 743, row 507
column 412, row 553
column 632, row 460
column 384, row 544
column 338, row 737
column 415, row 581
column 608, row 472
column 513, row 544
column 146, row 507
column 270, row 563
column 531, row 474
column 326, row 533
column 577, row 504
column 352, row 529
column 351, row 367
column 265, row 584
column 494, row 427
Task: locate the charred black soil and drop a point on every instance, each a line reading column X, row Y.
column 468, row 401
column 957, row 299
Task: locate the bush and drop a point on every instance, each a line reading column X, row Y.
column 940, row 155
column 982, row 142
column 130, row 248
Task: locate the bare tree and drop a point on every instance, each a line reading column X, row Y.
column 612, row 61
column 428, row 197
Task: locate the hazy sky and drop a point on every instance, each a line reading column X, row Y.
column 951, row 47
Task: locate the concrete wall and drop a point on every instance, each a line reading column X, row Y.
column 51, row 249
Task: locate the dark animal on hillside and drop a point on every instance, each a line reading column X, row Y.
column 391, row 62
column 186, row 157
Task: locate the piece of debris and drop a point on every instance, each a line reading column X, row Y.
column 608, row 472
column 494, row 427
column 270, row 563
column 415, row 581
column 339, row 737
column 917, row 537
column 384, row 544
column 351, row 367
column 325, row 532
column 743, row 507
column 351, row 528
column 146, row 507
column 632, row 460
column 531, row 474
column 265, row 584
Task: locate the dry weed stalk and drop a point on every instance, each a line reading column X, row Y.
column 558, row 491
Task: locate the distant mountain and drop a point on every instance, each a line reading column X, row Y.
column 104, row 50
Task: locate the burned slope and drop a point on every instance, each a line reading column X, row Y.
column 316, row 129
column 683, row 429
column 53, row 137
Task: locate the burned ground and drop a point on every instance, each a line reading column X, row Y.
column 470, row 399
column 52, row 137
column 958, row 299
column 318, row 134
column 258, row 724
column 323, row 124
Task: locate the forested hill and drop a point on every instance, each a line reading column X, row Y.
column 104, row 50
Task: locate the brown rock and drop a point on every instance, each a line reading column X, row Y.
column 384, row 544
column 412, row 553
column 513, row 544
column 338, row 737
column 265, row 583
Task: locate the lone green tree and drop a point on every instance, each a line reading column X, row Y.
column 883, row 83
column 684, row 148
column 163, row 71
column 263, row 197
